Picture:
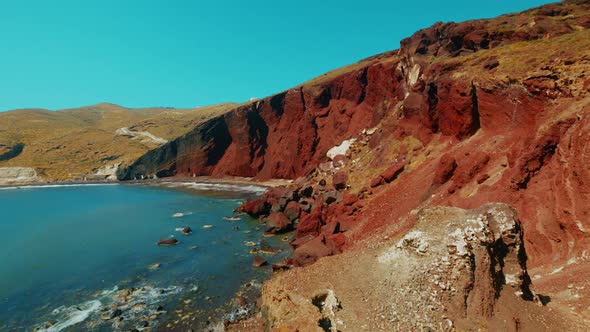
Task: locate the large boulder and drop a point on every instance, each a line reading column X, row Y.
column 292, row 210
column 298, row 242
column 312, row 251
column 377, row 181
column 330, row 228
column 277, row 222
column 393, row 171
column 331, row 197
column 349, row 199
column 256, row 207
column 445, row 169
column 306, row 191
column 339, row 180
column 310, row 223
column 341, row 160
column 306, row 205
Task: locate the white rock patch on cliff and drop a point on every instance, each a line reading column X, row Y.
column 341, row 149
column 10, row 175
column 108, row 172
column 147, row 136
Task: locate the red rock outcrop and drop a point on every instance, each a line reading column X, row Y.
column 277, row 223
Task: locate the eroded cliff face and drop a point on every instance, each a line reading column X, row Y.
column 462, row 115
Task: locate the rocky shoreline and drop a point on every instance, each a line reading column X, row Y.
column 179, row 179
column 436, row 276
column 428, row 182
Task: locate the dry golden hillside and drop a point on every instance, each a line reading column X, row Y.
column 73, row 143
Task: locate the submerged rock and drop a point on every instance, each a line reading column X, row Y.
column 258, row 261
column 285, row 264
column 267, row 248
column 115, row 313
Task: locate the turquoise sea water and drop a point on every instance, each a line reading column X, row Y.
column 70, row 255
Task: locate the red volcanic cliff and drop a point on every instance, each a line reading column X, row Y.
column 281, row 136
column 464, row 114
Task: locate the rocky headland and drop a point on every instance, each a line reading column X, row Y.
column 88, row 143
column 440, row 186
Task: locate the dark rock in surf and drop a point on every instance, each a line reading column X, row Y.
column 168, row 242
column 258, row 261
column 186, row 230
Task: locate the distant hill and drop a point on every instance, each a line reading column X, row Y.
column 75, row 143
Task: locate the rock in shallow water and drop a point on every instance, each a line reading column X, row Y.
column 258, row 261
column 266, row 248
column 186, row 230
column 168, row 242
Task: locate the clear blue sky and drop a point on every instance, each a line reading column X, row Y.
column 69, row 53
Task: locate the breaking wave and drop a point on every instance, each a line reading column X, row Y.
column 73, row 315
column 134, row 304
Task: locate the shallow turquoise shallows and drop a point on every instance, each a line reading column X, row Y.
column 69, row 255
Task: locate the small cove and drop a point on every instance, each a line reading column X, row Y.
column 74, row 255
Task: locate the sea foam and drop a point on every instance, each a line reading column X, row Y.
column 73, row 315
column 219, row 187
column 45, row 186
column 78, row 313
